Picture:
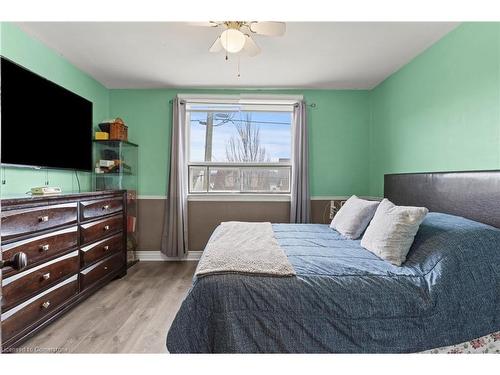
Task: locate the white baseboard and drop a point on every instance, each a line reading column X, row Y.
column 158, row 256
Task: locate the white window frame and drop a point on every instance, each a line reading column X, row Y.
column 269, row 102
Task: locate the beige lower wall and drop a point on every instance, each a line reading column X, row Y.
column 150, row 223
column 320, row 211
column 204, row 216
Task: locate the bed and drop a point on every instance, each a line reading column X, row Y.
column 344, row 299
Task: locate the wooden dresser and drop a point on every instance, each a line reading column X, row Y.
column 75, row 244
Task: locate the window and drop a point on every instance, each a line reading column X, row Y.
column 239, row 148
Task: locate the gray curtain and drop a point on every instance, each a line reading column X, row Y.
column 174, row 238
column 300, row 207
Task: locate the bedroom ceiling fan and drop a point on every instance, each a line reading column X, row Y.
column 236, row 36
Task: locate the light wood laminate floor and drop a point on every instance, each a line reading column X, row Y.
column 129, row 315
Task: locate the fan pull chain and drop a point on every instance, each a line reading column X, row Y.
column 239, row 66
column 227, row 58
column 4, row 179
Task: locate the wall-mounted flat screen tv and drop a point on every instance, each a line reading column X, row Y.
column 43, row 124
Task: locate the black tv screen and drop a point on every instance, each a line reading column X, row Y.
column 43, row 124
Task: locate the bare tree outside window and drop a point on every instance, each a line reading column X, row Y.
column 245, row 147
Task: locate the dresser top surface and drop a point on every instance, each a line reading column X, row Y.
column 26, row 198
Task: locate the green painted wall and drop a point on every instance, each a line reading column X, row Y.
column 338, row 130
column 441, row 111
column 339, row 143
column 30, row 53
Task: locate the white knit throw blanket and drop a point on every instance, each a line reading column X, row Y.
column 247, row 248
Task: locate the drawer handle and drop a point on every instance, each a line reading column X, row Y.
column 44, row 247
column 17, row 262
column 46, row 304
column 46, row 276
column 105, row 207
column 106, row 227
column 106, row 248
column 105, row 268
column 43, row 219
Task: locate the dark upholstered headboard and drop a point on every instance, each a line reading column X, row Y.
column 474, row 195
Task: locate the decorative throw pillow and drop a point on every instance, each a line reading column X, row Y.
column 392, row 231
column 353, row 217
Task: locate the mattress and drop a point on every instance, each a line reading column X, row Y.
column 344, row 299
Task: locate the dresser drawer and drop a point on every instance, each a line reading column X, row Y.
column 28, row 220
column 101, row 249
column 24, row 315
column 101, row 228
column 100, row 270
column 96, row 208
column 42, row 247
column 18, row 287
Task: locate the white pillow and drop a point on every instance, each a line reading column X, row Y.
column 392, row 231
column 353, row 217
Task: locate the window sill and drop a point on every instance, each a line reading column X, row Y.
column 239, row 197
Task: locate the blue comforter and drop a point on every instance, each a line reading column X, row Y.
column 345, row 299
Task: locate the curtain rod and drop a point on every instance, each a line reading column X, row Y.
column 312, row 105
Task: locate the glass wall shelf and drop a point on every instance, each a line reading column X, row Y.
column 116, row 168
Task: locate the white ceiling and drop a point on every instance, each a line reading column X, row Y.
column 342, row 55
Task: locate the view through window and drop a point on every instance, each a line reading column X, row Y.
column 234, row 150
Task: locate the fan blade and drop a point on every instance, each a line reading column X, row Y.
column 204, row 24
column 250, row 48
column 268, row 28
column 216, row 46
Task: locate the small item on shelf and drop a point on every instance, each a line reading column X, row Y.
column 104, row 126
column 126, row 168
column 116, row 128
column 131, row 195
column 106, row 163
column 131, row 246
column 112, row 166
column 118, row 132
column 101, row 136
column 112, row 169
column 109, row 154
column 131, row 220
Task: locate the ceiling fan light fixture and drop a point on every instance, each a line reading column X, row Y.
column 232, row 40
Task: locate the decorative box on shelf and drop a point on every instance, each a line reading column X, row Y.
column 116, row 168
column 115, row 128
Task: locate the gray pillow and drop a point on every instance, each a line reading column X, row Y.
column 392, row 231
column 353, row 217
